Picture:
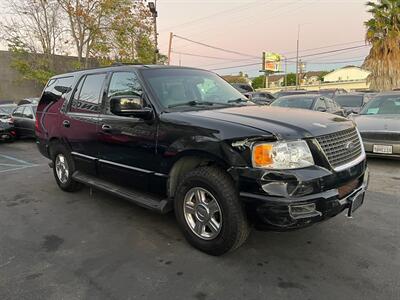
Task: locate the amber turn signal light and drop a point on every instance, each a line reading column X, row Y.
column 262, row 155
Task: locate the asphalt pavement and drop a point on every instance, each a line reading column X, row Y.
column 57, row 245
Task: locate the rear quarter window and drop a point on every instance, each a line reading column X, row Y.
column 55, row 90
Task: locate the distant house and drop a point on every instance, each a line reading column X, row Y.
column 311, row 77
column 276, row 80
column 349, row 73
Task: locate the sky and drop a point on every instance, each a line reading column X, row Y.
column 253, row 26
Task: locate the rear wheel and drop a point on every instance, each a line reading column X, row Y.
column 208, row 211
column 63, row 168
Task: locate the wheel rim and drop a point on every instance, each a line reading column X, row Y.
column 202, row 213
column 62, row 169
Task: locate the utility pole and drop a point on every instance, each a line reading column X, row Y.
column 285, row 73
column 153, row 10
column 297, row 57
column 171, row 35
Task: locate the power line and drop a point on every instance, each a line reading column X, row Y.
column 287, row 59
column 206, row 56
column 267, row 16
column 324, row 47
column 214, row 47
column 243, row 7
column 309, row 55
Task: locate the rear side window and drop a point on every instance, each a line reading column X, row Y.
column 87, row 97
column 57, row 87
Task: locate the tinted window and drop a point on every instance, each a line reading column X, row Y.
column 350, row 101
column 87, row 97
column 18, row 112
column 57, row 87
column 294, row 102
column 124, row 84
column 383, row 105
column 28, row 113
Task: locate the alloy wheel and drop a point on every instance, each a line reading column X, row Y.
column 62, row 169
column 202, row 213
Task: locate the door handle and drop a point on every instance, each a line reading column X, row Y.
column 66, row 123
column 106, row 127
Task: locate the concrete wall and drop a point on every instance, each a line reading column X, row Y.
column 14, row 87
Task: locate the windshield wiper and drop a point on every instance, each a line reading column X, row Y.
column 195, row 103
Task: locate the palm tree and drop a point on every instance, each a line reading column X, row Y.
column 383, row 33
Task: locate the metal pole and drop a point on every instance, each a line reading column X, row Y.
column 285, row 73
column 171, row 35
column 297, row 57
column 155, row 33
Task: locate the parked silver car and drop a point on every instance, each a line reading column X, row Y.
column 379, row 125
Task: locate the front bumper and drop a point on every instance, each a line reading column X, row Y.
column 319, row 186
column 369, row 146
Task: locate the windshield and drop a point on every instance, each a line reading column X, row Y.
column 383, row 105
column 6, row 110
column 294, row 102
column 350, row 101
column 187, row 87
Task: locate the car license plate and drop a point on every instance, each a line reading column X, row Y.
column 384, row 149
column 355, row 203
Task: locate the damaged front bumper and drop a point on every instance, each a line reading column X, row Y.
column 293, row 199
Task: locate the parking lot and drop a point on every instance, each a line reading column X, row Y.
column 57, row 245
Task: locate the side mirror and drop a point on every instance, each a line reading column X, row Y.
column 130, row 106
column 321, row 109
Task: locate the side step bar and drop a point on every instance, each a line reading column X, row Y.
column 142, row 199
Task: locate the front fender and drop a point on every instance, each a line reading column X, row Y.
column 203, row 147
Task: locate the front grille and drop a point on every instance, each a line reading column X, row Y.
column 341, row 147
column 381, row 136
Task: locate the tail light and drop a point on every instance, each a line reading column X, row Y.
column 37, row 124
column 11, row 121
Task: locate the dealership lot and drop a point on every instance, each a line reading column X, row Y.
column 57, row 245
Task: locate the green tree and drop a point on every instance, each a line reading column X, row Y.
column 291, row 79
column 383, row 33
column 258, row 82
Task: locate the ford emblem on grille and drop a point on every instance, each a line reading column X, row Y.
column 350, row 146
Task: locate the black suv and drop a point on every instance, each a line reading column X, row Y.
column 183, row 139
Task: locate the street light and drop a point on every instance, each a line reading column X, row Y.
column 153, row 9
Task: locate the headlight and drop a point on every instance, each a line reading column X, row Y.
column 282, row 155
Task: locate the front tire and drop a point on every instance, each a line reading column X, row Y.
column 209, row 212
column 63, row 168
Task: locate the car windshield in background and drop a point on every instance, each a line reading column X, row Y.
column 6, row 110
column 350, row 101
column 383, row 105
column 294, row 102
column 243, row 88
column 187, row 87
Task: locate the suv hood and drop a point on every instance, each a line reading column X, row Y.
column 284, row 123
